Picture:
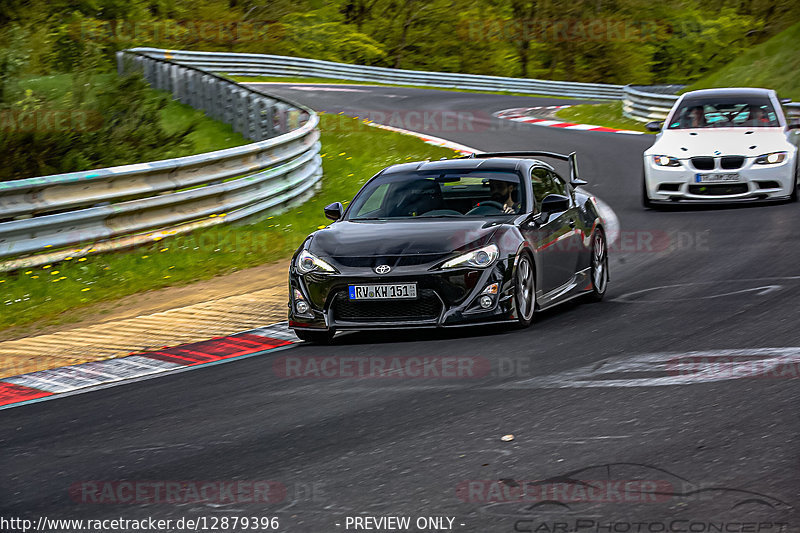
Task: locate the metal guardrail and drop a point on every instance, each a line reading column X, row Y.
column 118, row 207
column 654, row 103
column 271, row 65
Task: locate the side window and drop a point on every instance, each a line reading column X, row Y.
column 563, row 187
column 545, row 183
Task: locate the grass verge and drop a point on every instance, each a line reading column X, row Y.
column 209, row 134
column 352, row 153
column 333, row 81
column 773, row 64
column 608, row 115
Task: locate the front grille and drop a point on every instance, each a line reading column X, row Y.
column 718, row 189
column 703, row 163
column 391, row 260
column 732, row 162
column 426, row 307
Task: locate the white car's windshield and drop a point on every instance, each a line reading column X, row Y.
column 440, row 195
column 724, row 112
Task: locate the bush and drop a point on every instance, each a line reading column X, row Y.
column 90, row 125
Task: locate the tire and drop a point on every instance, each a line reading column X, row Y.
column 646, row 202
column 598, row 271
column 793, row 195
column 315, row 337
column 524, row 290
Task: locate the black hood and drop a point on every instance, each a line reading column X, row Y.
column 406, row 237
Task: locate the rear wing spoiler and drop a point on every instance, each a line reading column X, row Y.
column 572, row 158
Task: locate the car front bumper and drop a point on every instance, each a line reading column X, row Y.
column 445, row 299
column 753, row 183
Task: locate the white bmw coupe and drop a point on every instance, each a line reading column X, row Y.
column 723, row 145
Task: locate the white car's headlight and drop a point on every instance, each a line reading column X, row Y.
column 665, row 161
column 480, row 258
column 307, row 262
column 771, row 159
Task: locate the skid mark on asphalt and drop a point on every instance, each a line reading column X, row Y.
column 763, row 286
column 674, row 368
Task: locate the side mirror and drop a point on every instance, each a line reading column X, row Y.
column 654, row 126
column 334, row 211
column 554, row 203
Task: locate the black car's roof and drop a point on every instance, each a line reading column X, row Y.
column 454, row 165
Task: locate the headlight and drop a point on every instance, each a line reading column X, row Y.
column 481, row 258
column 307, row 262
column 665, row 161
column 771, row 159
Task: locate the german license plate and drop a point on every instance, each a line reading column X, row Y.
column 727, row 177
column 398, row 291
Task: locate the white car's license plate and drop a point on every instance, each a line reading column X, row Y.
column 727, row 177
column 398, row 291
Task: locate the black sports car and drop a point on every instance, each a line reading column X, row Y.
column 488, row 238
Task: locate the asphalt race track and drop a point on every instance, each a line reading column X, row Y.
column 597, row 396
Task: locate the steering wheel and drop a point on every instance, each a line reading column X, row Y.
column 490, row 203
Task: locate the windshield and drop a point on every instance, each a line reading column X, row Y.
column 725, row 112
column 437, row 194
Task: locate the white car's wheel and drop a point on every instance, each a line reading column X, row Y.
column 646, row 202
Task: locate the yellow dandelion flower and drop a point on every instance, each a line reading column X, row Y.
column 86, row 289
column 165, row 277
column 54, row 272
column 343, row 153
column 163, row 249
column 346, row 158
column 322, row 227
column 145, row 256
column 47, row 266
column 29, row 272
column 68, row 258
column 34, row 277
column 82, row 259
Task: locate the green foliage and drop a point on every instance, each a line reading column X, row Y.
column 774, row 64
column 85, row 123
column 315, row 35
column 638, row 41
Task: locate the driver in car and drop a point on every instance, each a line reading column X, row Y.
column 503, row 192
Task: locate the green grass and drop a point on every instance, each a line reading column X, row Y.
column 608, row 115
column 774, row 64
column 333, row 81
column 352, row 153
column 209, row 134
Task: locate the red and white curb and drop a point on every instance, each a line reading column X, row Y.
column 523, row 114
column 430, row 139
column 19, row 390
